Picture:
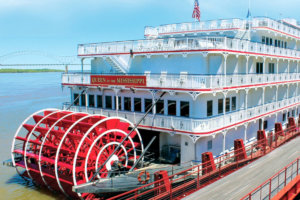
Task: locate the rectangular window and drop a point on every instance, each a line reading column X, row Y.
column 259, row 68
column 265, row 124
column 76, row 101
column 282, row 44
column 285, row 45
column 227, row 105
column 160, row 107
column 293, row 113
column 108, row 102
column 127, row 103
column 119, row 103
column 283, row 117
column 185, row 109
column 233, row 103
column 209, row 145
column 271, row 41
column 99, row 101
column 91, row 100
column 271, row 68
column 83, row 103
column 267, row 41
column 276, row 43
column 171, row 107
column 279, row 43
column 263, row 39
column 260, row 124
column 220, row 106
column 148, row 104
column 209, row 108
column 137, row 104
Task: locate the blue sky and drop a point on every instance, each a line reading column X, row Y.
column 57, row 26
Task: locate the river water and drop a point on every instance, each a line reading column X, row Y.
column 21, row 94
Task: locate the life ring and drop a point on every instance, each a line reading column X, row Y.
column 143, row 174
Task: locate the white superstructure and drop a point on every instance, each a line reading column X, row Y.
column 225, row 79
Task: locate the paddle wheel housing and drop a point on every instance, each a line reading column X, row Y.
column 59, row 149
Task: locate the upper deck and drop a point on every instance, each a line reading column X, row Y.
column 285, row 27
column 179, row 45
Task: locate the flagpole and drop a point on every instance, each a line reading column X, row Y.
column 249, row 6
column 249, row 19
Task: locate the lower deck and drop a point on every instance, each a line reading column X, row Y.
column 175, row 147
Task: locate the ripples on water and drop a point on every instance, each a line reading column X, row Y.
column 21, row 95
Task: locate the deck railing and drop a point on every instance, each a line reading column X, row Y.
column 276, row 183
column 179, row 44
column 188, row 81
column 171, row 29
column 195, row 125
column 188, row 181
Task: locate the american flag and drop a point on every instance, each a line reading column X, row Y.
column 196, row 12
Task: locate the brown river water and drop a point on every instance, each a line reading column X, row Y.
column 21, row 95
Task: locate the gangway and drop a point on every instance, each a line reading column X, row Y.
column 284, row 185
column 237, row 184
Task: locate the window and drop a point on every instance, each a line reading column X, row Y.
column 99, row 101
column 148, row 104
column 263, row 39
column 285, row 45
column 91, row 100
column 209, row 145
column 279, row 43
column 209, row 108
column 119, row 103
column 259, row 68
column 108, row 102
column 171, row 107
column 271, row 68
column 185, row 109
column 233, row 103
column 220, row 106
column 267, row 41
column 265, row 124
column 260, row 124
column 288, row 114
column 227, row 105
column 127, row 103
column 271, row 41
column 293, row 113
column 276, row 43
column 282, row 43
column 76, row 99
column 83, row 103
column 283, row 117
column 137, row 104
column 160, row 107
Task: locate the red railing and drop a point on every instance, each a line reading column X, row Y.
column 188, row 181
column 276, row 183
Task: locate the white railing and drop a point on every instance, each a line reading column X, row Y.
column 172, row 29
column 196, row 81
column 178, row 44
column 190, row 124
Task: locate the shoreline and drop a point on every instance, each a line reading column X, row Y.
column 5, row 70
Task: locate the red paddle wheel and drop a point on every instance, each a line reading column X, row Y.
column 59, row 149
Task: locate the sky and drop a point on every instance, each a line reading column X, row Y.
column 56, row 27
